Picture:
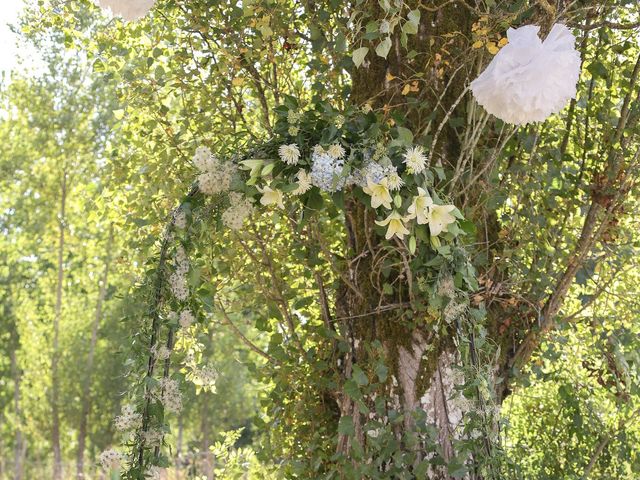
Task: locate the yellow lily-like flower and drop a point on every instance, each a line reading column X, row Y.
column 396, row 226
column 271, row 196
column 440, row 218
column 379, row 193
column 421, row 207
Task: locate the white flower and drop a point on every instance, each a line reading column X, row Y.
column 271, row 196
column 204, row 160
column 289, row 154
column 180, row 218
column 186, row 318
column 240, row 209
column 318, row 150
column 379, row 193
column 127, row 9
column 396, row 226
column 420, row 209
column 178, row 286
column 293, row 131
column 440, row 218
column 303, row 179
column 528, row 80
column 326, row 171
column 395, row 181
column 336, row 151
column 128, row 419
column 111, row 459
column 169, row 394
column 218, row 180
column 154, row 473
column 153, row 438
column 415, row 159
column 160, row 352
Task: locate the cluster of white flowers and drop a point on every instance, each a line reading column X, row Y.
column 128, row 419
column 178, row 279
column 327, row 167
column 372, row 171
column 303, row 179
column 205, row 376
column 154, row 473
column 454, row 310
column 215, row 175
column 293, row 118
column 186, row 319
column 111, row 459
column 241, row 208
column 153, row 437
column 446, row 287
column 127, row 9
column 160, row 352
column 169, row 394
column 180, row 218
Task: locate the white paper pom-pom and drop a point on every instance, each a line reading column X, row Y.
column 528, row 80
column 128, row 9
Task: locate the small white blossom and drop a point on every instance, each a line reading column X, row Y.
column 293, row 131
column 336, row 151
column 186, row 319
column 153, row 438
column 239, row 210
column 128, row 419
column 180, row 219
column 154, row 473
column 111, row 459
column 303, row 179
column 379, row 193
column 326, row 172
column 415, row 159
column 289, row 154
column 440, row 218
column 293, row 117
column 169, row 394
column 178, row 286
column 160, row 352
column 395, row 181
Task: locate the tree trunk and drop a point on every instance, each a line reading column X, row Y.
column 86, row 387
column 55, row 382
column 19, row 449
column 422, row 373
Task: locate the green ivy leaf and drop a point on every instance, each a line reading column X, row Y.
column 358, row 56
column 382, row 50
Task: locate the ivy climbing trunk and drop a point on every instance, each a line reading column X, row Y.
column 421, row 374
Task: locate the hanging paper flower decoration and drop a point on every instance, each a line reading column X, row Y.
column 128, row 9
column 529, row 80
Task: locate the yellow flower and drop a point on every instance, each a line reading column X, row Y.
column 421, row 207
column 440, row 218
column 379, row 193
column 271, row 196
column 395, row 223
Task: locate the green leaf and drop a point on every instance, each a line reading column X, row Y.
column 382, row 50
column 358, row 56
column 345, row 426
column 405, row 135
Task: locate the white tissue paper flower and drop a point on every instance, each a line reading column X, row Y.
column 528, row 80
column 128, row 9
